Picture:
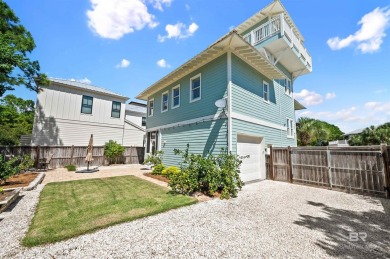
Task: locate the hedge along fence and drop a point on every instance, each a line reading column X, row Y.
column 355, row 169
column 65, row 155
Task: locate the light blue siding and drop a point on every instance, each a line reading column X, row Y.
column 213, row 87
column 203, row 138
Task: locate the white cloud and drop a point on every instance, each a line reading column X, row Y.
column 370, row 36
column 83, row 80
column 308, row 98
column 158, row 4
column 380, row 91
column 178, row 31
column 381, row 107
column 114, row 18
column 187, row 7
column 329, row 96
column 124, row 63
column 163, row 63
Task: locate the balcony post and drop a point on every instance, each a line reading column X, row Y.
column 281, row 18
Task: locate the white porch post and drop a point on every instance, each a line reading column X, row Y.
column 229, row 99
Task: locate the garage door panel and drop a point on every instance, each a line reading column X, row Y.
column 251, row 168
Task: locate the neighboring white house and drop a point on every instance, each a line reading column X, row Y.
column 68, row 112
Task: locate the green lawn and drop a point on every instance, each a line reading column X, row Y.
column 69, row 209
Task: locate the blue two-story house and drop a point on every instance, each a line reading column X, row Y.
column 236, row 94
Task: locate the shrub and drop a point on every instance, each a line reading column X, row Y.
column 71, row 167
column 8, row 168
column 157, row 169
column 155, row 158
column 170, row 170
column 26, row 162
column 113, row 150
column 208, row 174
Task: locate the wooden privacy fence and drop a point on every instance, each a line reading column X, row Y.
column 65, row 155
column 355, row 169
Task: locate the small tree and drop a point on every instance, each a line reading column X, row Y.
column 8, row 168
column 113, row 150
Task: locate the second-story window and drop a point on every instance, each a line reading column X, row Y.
column 151, row 108
column 287, row 86
column 176, row 96
column 195, row 93
column 116, row 110
column 265, row 91
column 86, row 104
column 143, row 121
column 164, row 102
column 290, row 128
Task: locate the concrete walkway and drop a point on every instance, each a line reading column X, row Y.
column 62, row 174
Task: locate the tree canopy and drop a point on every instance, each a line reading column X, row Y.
column 15, row 44
column 312, row 132
column 16, row 119
column 372, row 136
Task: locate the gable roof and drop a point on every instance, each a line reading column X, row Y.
column 87, row 87
column 136, row 108
column 274, row 8
column 230, row 42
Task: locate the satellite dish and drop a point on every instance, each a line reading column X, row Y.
column 221, row 103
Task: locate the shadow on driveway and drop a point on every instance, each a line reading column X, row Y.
column 346, row 229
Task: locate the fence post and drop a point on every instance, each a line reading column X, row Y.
column 328, row 157
column 37, row 154
column 71, row 155
column 271, row 163
column 289, row 168
column 386, row 169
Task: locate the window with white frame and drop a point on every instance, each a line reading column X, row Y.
column 176, row 96
column 164, row 102
column 151, row 108
column 266, row 91
column 290, row 128
column 195, row 93
column 287, row 86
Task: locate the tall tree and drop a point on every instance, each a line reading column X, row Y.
column 16, row 119
column 311, row 132
column 15, row 44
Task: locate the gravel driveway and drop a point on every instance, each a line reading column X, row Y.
column 268, row 219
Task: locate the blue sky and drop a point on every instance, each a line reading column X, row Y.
column 126, row 45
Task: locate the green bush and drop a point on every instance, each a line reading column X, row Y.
column 113, row 150
column 208, row 174
column 8, row 168
column 157, row 169
column 26, row 162
column 170, row 170
column 71, row 167
column 155, row 158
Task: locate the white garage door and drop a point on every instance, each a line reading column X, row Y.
column 252, row 168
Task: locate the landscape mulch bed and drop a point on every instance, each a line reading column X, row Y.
column 157, row 177
column 19, row 180
column 4, row 195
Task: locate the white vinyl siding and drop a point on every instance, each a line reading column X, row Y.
column 164, row 101
column 176, row 97
column 196, row 88
column 151, row 107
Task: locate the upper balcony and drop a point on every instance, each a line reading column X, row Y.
column 286, row 47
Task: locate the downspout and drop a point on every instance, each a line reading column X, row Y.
column 229, row 100
column 280, row 115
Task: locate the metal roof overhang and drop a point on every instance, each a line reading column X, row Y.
column 230, row 42
column 298, row 106
column 274, row 8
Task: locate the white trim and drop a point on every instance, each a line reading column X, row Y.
column 172, row 104
column 200, row 88
column 291, row 129
column 229, row 104
column 162, row 101
column 148, row 108
column 159, row 141
column 186, row 122
column 267, row 84
column 134, row 125
column 246, row 118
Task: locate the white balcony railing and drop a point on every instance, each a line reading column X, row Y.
column 279, row 25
